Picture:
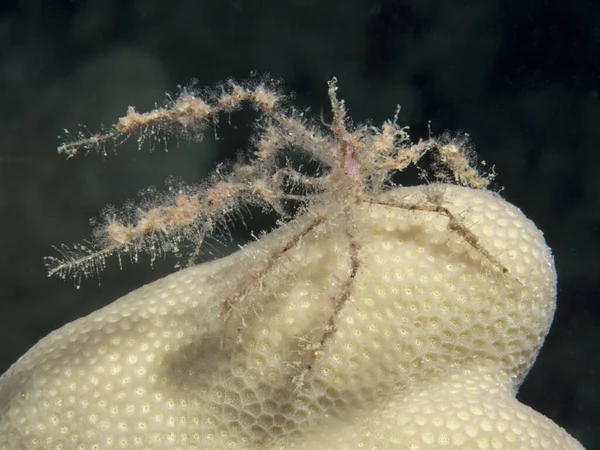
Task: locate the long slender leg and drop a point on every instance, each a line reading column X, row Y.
column 342, row 297
column 256, row 277
column 316, row 349
column 454, row 225
column 339, row 299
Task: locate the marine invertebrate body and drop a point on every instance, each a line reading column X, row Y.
column 376, row 316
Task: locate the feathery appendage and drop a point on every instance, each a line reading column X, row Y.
column 357, row 163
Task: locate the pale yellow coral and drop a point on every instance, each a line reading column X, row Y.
column 426, row 353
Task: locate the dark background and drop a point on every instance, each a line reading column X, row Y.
column 522, row 77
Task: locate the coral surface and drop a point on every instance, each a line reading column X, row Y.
column 427, row 352
column 375, row 316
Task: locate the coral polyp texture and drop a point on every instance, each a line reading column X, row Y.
column 374, row 316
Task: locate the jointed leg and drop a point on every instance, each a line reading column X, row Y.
column 244, row 287
column 341, row 298
column 454, row 225
column 316, row 349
